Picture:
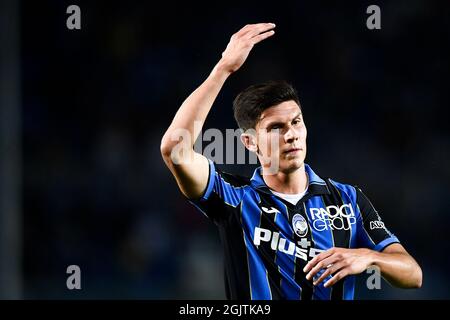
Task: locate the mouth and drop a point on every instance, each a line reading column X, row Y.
column 292, row 150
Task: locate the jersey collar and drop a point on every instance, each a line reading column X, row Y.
column 316, row 185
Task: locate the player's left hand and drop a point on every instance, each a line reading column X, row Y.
column 338, row 262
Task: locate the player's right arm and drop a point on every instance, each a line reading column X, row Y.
column 190, row 168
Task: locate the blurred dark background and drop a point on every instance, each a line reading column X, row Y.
column 93, row 104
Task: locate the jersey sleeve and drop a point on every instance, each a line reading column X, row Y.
column 371, row 231
column 221, row 191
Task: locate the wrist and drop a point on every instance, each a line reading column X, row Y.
column 222, row 68
column 372, row 257
column 219, row 74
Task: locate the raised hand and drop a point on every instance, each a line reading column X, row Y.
column 242, row 42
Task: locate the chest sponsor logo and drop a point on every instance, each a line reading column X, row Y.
column 333, row 217
column 279, row 243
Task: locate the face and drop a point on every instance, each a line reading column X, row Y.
column 280, row 137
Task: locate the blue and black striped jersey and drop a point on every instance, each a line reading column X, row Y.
column 267, row 241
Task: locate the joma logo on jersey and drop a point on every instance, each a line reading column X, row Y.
column 281, row 244
column 333, row 217
column 271, row 210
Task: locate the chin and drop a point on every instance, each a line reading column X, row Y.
column 291, row 165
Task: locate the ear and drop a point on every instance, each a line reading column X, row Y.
column 249, row 142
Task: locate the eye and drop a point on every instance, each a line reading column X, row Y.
column 275, row 126
column 297, row 121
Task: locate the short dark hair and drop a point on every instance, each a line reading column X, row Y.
column 250, row 103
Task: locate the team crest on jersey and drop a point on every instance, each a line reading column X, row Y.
column 299, row 225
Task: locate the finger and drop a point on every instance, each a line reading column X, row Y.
column 258, row 29
column 317, row 258
column 331, row 260
column 262, row 36
column 247, row 28
column 338, row 276
column 324, row 263
column 244, row 29
column 329, row 271
column 322, row 277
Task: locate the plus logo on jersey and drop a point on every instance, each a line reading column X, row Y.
column 279, row 243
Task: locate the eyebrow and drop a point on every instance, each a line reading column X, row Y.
column 273, row 123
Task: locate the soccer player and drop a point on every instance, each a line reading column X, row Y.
column 287, row 233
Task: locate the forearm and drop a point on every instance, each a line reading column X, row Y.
column 399, row 269
column 192, row 114
column 191, row 169
column 395, row 264
column 194, row 110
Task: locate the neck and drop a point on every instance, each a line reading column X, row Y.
column 291, row 183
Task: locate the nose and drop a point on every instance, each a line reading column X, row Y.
column 291, row 135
